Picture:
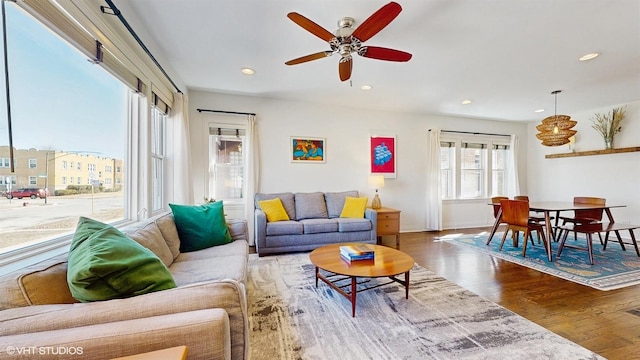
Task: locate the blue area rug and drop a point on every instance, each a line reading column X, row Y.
column 612, row 269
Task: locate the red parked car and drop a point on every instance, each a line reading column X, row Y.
column 27, row 192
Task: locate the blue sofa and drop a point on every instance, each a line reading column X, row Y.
column 314, row 221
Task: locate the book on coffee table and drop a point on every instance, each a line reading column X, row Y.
column 356, row 252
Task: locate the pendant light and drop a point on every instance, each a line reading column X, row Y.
column 556, row 130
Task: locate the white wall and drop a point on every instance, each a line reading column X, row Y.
column 347, row 133
column 615, row 177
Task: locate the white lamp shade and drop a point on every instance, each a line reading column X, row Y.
column 376, row 181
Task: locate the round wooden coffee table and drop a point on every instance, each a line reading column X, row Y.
column 387, row 262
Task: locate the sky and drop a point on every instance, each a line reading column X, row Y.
column 59, row 100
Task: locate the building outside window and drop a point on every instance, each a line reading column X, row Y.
column 33, row 163
column 33, row 180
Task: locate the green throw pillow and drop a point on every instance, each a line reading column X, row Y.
column 201, row 226
column 106, row 264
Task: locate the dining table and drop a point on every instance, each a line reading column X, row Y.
column 548, row 207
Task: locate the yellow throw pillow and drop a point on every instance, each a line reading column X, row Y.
column 274, row 210
column 354, row 207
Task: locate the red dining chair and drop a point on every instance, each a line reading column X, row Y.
column 585, row 216
column 495, row 201
column 534, row 215
column 515, row 213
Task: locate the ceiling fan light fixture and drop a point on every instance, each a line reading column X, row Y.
column 247, row 71
column 349, row 40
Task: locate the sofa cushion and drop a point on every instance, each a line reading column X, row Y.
column 150, row 237
column 351, row 224
column 274, row 210
column 284, row 228
column 106, row 264
column 167, row 227
column 286, row 198
column 200, row 226
column 335, row 201
column 354, row 207
column 315, row 226
column 310, row 206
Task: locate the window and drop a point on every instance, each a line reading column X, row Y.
column 473, row 168
column 499, row 171
column 158, row 126
column 107, row 169
column 226, row 163
column 447, row 169
column 110, row 98
column 473, row 159
column 64, row 79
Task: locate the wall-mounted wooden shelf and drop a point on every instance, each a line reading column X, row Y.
column 593, row 152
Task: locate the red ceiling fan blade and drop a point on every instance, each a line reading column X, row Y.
column 310, row 26
column 380, row 53
column 377, row 21
column 345, row 67
column 316, row 56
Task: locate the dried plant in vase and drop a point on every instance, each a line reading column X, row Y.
column 608, row 125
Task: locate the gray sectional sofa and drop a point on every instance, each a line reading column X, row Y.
column 314, row 221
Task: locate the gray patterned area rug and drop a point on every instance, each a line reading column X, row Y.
column 289, row 318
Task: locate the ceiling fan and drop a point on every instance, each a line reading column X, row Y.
column 347, row 40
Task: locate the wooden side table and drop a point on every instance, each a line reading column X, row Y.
column 388, row 224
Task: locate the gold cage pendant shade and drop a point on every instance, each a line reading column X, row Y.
column 556, row 130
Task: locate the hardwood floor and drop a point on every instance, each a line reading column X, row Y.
column 597, row 320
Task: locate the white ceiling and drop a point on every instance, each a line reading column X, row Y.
column 507, row 56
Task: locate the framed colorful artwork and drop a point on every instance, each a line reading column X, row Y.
column 307, row 149
column 383, row 155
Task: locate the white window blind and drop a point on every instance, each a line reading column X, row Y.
column 59, row 21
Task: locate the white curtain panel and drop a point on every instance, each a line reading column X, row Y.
column 513, row 183
column 253, row 174
column 182, row 180
column 433, row 190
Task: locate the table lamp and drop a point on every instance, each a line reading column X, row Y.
column 376, row 182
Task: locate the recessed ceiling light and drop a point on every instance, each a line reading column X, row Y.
column 248, row 71
column 589, row 56
column 466, row 102
column 538, row 111
column 366, row 87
